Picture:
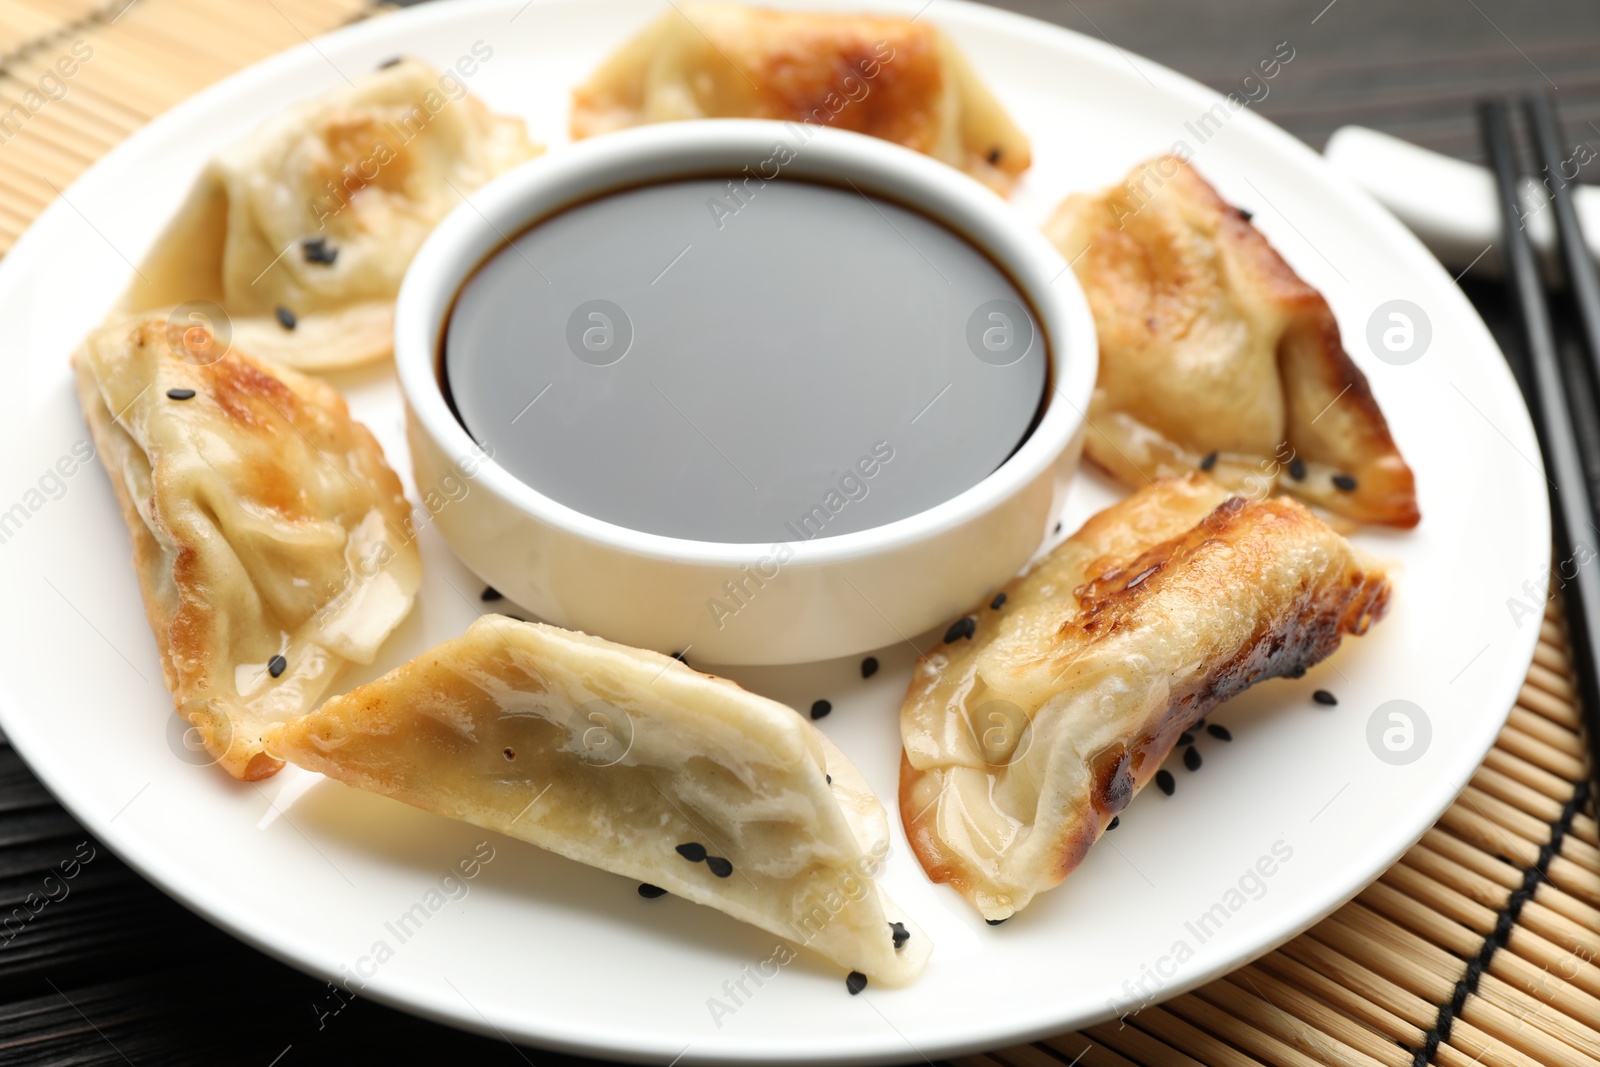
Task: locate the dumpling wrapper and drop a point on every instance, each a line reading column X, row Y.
column 265, row 523
column 613, row 756
column 889, row 77
column 369, row 169
column 1024, row 741
column 1210, row 343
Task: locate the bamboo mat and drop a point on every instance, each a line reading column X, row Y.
column 1479, row 947
column 78, row 76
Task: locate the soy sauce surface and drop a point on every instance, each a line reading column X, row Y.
column 747, row 363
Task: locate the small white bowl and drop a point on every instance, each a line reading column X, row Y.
column 833, row 596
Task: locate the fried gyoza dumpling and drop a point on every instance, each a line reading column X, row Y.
column 271, row 540
column 1214, row 352
column 632, row 762
column 302, row 231
column 888, row 77
column 1025, row 739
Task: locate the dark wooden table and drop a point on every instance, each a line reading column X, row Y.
column 117, row 973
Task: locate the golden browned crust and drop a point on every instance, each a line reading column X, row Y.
column 615, row 757
column 886, row 77
column 1161, row 607
column 1210, row 343
column 249, row 506
column 364, row 172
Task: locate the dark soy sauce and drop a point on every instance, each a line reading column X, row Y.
column 745, row 363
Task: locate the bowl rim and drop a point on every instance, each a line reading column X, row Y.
column 663, row 152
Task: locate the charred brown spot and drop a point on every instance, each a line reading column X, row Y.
column 1143, row 747
column 883, row 79
column 1288, row 643
column 1105, row 602
column 191, row 342
column 1302, row 633
column 249, row 395
column 362, row 153
column 1111, row 771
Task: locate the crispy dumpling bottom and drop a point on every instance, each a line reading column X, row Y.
column 295, row 238
column 272, row 542
column 1024, row 740
column 1215, row 354
column 634, row 763
column 894, row 78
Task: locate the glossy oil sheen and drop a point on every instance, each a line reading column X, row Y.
column 750, row 364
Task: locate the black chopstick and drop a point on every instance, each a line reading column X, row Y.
column 1582, row 277
column 1583, row 365
column 1571, row 509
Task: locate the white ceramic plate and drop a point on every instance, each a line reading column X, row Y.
column 545, row 951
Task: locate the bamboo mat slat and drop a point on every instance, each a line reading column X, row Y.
column 1478, row 947
column 23, row 22
column 128, row 62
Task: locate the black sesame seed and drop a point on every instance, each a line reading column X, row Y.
column 1345, row 482
column 1221, row 733
column 390, row 62
column 277, row 665
column 869, row 666
column 1209, row 462
column 692, row 851
column 855, row 981
column 961, row 628
column 994, row 156
column 180, row 394
column 1297, row 469
column 286, row 317
column 490, row 594
column 1186, row 738
column 829, row 777
column 650, row 892
column 680, row 657
column 821, row 708
column 1191, row 758
column 719, row 866
column 1058, row 528
column 900, row 934
column 508, row 752
column 1322, row 696
column 998, row 602
column 318, row 250
column 996, row 922
column 1116, row 821
column 1244, row 214
column 1166, row 783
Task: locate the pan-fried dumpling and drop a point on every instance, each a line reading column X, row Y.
column 1024, row 739
column 272, row 542
column 892, row 78
column 632, row 762
column 302, row 231
column 1214, row 354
